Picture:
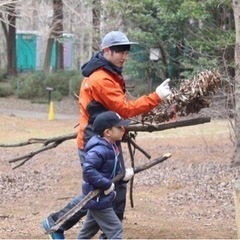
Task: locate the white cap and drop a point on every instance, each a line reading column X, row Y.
column 115, row 38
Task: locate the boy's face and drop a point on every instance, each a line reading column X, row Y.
column 115, row 133
column 116, row 58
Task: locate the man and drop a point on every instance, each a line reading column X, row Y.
column 103, row 89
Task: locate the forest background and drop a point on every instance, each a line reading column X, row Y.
column 177, row 39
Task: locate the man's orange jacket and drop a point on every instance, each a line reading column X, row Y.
column 104, row 90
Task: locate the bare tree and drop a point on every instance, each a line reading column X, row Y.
column 236, row 9
column 57, row 34
column 8, row 20
column 78, row 19
column 96, row 13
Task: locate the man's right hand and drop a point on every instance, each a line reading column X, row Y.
column 163, row 89
column 106, row 192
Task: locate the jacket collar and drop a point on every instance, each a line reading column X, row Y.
column 99, row 61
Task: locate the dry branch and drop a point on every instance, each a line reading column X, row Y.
column 160, row 127
column 96, row 192
column 131, row 128
column 131, row 153
column 56, row 141
column 27, row 157
column 44, row 141
column 129, row 140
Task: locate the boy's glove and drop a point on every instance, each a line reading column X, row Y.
column 163, row 89
column 128, row 174
column 106, row 192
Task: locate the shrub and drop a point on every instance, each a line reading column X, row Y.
column 3, row 75
column 64, row 82
column 33, row 85
column 74, row 84
column 56, row 95
column 6, row 90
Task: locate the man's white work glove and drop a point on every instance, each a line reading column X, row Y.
column 106, row 192
column 163, row 89
column 128, row 174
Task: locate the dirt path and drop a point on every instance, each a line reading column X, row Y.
column 188, row 196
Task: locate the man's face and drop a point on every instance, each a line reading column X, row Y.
column 116, row 58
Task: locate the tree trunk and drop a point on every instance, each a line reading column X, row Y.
column 12, row 69
column 10, row 34
column 59, row 55
column 48, row 54
column 236, row 9
column 96, row 13
column 56, row 33
column 34, row 15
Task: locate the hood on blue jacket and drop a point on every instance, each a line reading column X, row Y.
column 96, row 62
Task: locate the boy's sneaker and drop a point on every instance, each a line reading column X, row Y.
column 54, row 235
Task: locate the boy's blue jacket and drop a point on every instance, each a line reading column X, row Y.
column 100, row 166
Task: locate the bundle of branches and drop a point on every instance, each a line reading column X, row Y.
column 191, row 97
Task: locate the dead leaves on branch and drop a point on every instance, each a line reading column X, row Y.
column 192, row 96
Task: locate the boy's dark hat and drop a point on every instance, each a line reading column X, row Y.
column 107, row 120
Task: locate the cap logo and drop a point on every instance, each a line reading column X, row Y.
column 118, row 116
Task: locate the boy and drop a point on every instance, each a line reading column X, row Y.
column 100, row 166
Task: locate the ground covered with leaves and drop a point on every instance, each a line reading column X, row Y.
column 188, row 196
